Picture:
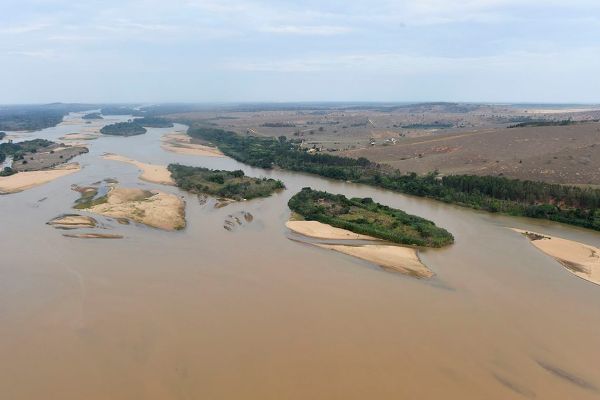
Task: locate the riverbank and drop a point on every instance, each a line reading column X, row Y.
column 404, row 260
column 580, row 259
column 29, row 179
column 181, row 143
column 150, row 172
column 318, row 230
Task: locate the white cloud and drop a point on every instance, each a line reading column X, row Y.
column 317, row 30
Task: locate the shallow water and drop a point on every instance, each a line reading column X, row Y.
column 212, row 314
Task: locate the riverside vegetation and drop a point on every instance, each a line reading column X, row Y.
column 366, row 217
column 567, row 204
column 228, row 184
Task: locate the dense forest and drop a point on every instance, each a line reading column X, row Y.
column 121, row 110
column 35, row 117
column 92, row 116
column 123, row 129
column 366, row 217
column 153, row 122
column 17, row 150
column 561, row 203
column 533, row 123
column 228, row 184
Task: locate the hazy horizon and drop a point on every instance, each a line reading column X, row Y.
column 206, row 51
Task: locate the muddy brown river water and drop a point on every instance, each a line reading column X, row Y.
column 206, row 313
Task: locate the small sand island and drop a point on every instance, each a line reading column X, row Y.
column 73, row 221
column 34, row 162
column 149, row 207
column 150, row 172
column 232, row 185
column 580, row 259
column 335, row 217
column 181, row 143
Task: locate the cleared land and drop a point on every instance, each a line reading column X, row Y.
column 558, row 154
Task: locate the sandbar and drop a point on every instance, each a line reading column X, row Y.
column 149, row 207
column 318, row 230
column 580, row 259
column 150, row 172
column 73, row 221
column 181, row 143
column 28, row 179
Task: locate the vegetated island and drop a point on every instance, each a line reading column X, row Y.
column 335, row 217
column 2, row 135
column 149, row 207
column 580, row 259
column 35, row 162
column 567, row 204
column 234, row 185
column 154, row 122
column 123, row 129
column 92, row 116
column 366, row 217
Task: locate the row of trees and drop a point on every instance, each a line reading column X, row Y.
column 567, row 204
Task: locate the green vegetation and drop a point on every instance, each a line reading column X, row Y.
column 120, row 110
column 538, row 123
column 366, row 217
column 567, row 204
column 432, row 125
column 7, row 171
column 153, row 122
column 2, row 135
column 92, row 116
column 123, row 129
column 17, row 150
column 229, row 184
column 90, row 197
column 29, row 120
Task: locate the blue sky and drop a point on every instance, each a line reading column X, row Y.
column 377, row 50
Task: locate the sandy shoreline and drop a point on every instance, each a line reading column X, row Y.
column 181, row 143
column 580, row 259
column 29, row 179
column 391, row 257
column 150, row 172
column 319, row 230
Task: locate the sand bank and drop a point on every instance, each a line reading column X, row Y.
column 396, row 258
column 153, row 208
column 28, row 179
column 80, row 136
column 150, row 172
column 319, row 230
column 400, row 259
column 73, row 221
column 93, row 236
column 580, row 259
column 181, row 143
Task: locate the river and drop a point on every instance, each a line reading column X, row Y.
column 205, row 313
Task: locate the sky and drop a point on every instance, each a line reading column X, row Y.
column 541, row 51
